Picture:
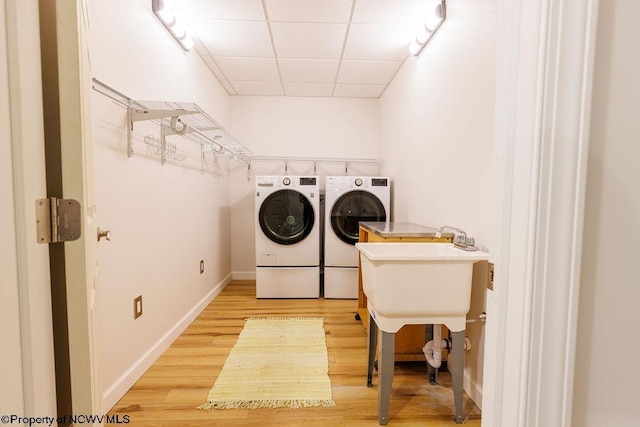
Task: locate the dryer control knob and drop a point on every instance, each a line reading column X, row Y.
column 358, row 182
column 286, row 181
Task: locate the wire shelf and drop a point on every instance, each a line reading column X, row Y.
column 178, row 118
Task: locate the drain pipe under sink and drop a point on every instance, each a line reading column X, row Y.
column 433, row 349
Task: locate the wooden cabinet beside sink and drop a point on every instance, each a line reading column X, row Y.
column 411, row 338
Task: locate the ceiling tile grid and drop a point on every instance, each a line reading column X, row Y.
column 342, row 48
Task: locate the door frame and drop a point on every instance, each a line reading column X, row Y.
column 543, row 103
column 25, row 142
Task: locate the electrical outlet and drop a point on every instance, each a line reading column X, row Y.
column 201, row 266
column 137, row 307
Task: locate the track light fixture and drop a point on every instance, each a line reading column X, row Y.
column 171, row 18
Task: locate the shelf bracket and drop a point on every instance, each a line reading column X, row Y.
column 201, row 159
column 139, row 115
column 163, row 144
column 129, row 133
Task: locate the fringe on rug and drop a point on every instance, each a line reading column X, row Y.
column 256, row 404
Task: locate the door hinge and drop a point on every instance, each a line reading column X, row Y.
column 57, row 220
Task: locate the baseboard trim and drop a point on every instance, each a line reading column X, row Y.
column 118, row 389
column 473, row 389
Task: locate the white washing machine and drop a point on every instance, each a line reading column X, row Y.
column 287, row 212
column 349, row 200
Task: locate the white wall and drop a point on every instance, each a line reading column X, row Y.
column 606, row 370
column 436, row 127
column 436, row 122
column 163, row 219
column 294, row 127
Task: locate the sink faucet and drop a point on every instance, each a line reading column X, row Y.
column 460, row 239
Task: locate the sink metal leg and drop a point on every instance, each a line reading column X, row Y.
column 457, row 371
column 385, row 375
column 431, row 371
column 371, row 347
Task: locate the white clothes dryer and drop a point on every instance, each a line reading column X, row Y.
column 350, row 200
column 287, row 229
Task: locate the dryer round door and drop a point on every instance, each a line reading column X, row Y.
column 286, row 217
column 352, row 208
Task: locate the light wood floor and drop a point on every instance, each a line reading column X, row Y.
column 171, row 390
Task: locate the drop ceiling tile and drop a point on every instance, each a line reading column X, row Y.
column 308, row 10
column 358, row 90
column 234, row 38
column 401, row 12
column 258, row 88
column 308, row 40
column 383, row 42
column 254, row 69
column 308, row 70
column 247, row 10
column 308, row 89
column 368, row 72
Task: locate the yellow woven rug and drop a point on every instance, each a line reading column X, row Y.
column 276, row 362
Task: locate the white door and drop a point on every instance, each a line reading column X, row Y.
column 27, row 385
column 543, row 104
column 11, row 394
column 81, row 256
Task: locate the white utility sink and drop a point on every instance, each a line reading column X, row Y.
column 417, row 283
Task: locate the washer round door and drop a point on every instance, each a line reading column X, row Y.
column 352, row 208
column 286, row 217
